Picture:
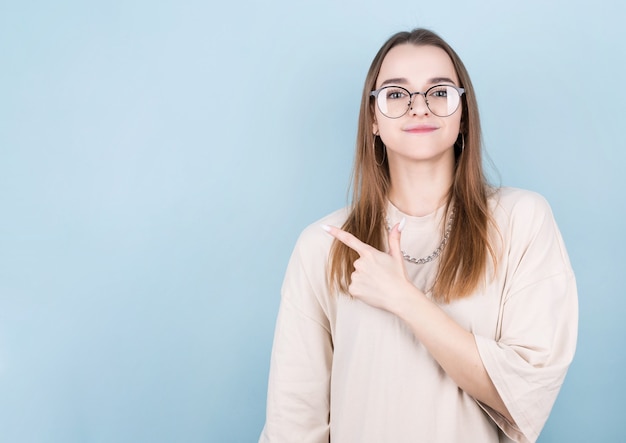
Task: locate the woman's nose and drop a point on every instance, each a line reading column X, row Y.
column 418, row 105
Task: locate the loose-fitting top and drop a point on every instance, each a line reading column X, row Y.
column 343, row 371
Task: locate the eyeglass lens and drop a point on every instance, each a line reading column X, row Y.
column 442, row 100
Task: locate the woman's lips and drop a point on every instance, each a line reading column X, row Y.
column 420, row 129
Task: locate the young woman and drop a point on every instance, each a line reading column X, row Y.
column 438, row 309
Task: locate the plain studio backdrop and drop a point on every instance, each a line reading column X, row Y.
column 158, row 160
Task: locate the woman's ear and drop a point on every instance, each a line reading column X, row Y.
column 375, row 128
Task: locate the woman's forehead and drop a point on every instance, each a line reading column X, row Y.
column 416, row 66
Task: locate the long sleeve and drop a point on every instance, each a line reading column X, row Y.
column 528, row 359
column 298, row 404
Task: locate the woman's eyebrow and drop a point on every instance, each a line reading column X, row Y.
column 436, row 80
column 395, row 81
column 404, row 81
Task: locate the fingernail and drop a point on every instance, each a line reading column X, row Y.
column 325, row 228
column 401, row 225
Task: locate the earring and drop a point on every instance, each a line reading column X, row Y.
column 382, row 162
column 459, row 149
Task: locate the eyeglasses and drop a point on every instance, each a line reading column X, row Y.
column 395, row 101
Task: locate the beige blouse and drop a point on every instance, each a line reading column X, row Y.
column 345, row 372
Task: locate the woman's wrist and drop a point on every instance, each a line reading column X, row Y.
column 407, row 299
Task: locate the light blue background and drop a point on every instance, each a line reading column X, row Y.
column 158, row 160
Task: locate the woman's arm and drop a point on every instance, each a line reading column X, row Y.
column 298, row 399
column 453, row 347
column 380, row 280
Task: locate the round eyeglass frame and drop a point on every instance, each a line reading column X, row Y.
column 375, row 93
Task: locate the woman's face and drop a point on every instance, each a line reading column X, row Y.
column 418, row 135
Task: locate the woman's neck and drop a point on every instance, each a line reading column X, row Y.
column 418, row 189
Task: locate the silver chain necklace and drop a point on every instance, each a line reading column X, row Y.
column 436, row 252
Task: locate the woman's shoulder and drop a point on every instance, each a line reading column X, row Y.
column 516, row 203
column 314, row 238
column 524, row 216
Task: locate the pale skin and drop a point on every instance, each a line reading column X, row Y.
column 421, row 164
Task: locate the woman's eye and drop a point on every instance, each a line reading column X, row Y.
column 443, row 92
column 395, row 94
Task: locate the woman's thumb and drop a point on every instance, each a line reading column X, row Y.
column 394, row 239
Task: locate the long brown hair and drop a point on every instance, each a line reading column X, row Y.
column 463, row 261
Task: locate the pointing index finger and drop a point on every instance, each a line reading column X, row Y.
column 348, row 239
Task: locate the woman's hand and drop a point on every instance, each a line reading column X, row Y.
column 379, row 278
